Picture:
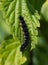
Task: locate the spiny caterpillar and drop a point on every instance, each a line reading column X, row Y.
column 26, row 34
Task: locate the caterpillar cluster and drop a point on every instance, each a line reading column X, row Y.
column 26, row 33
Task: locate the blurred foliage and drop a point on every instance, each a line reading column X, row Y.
column 37, row 4
column 40, row 56
column 44, row 10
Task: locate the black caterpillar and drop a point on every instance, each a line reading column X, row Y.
column 26, row 34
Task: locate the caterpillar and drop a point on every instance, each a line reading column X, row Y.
column 26, row 34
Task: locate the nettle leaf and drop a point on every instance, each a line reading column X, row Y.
column 32, row 22
column 15, row 57
column 3, row 27
column 13, row 9
column 11, row 54
column 19, row 59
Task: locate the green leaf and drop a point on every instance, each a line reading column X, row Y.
column 30, row 21
column 13, row 9
column 19, row 59
column 10, row 58
column 44, row 10
column 11, row 54
column 4, row 28
column 17, row 8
